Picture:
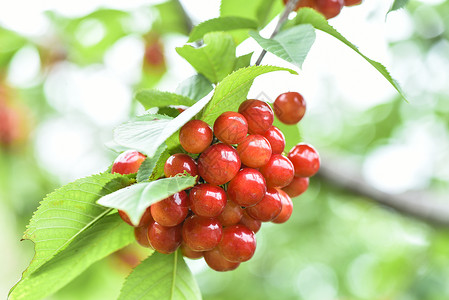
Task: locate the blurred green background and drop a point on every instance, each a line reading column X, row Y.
column 67, row 75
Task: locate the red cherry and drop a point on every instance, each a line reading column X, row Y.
column 247, row 188
column 144, row 220
column 287, row 208
column 289, row 107
column 248, row 221
column 352, row 2
column 276, row 139
column 305, row 159
column 178, row 163
column 195, row 136
column 154, row 54
column 231, row 215
column 254, row 151
column 238, row 243
column 207, row 200
column 172, row 210
column 218, row 164
column 188, row 252
column 217, row 262
column 298, row 186
column 258, row 114
column 164, row 239
column 128, row 162
column 329, row 8
column 231, row 127
column 267, row 209
column 201, row 234
column 278, row 172
column 141, row 235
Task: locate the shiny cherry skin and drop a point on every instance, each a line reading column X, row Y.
column 231, row 127
column 251, row 223
column 207, row 200
column 144, row 220
column 218, row 164
column 329, row 8
column 304, row 3
column 238, row 243
column 231, row 215
column 201, row 234
column 305, row 159
column 128, row 162
column 258, row 114
column 178, row 163
column 141, row 235
column 352, row 2
column 195, row 136
column 267, row 209
column 289, row 107
column 217, row 262
column 247, row 188
column 298, row 186
column 276, row 139
column 189, row 253
column 164, row 239
column 254, row 151
column 287, row 208
column 172, row 210
column 278, row 172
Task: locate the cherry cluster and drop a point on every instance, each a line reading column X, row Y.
column 329, row 8
column 243, row 180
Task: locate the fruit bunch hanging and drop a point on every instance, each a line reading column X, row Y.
column 243, row 179
column 329, row 8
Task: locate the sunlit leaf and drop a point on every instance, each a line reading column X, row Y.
column 195, row 87
column 154, row 98
column 221, row 24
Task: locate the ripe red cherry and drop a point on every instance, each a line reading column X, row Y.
column 217, row 262
column 251, row 223
column 247, row 188
column 304, row 3
column 154, row 54
column 352, row 2
column 231, row 127
column 128, row 162
column 141, row 235
column 305, row 159
column 298, row 186
column 207, row 200
column 178, row 163
column 276, row 138
column 164, row 239
column 287, row 208
column 254, row 151
column 238, row 243
column 188, row 252
column 329, row 8
column 278, row 172
column 218, row 164
column 201, row 234
column 172, row 210
column 195, row 136
column 289, row 107
column 231, row 215
column 258, row 114
column 144, row 220
column 267, row 209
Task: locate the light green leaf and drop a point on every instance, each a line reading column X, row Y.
column 243, row 61
column 292, row 45
column 397, row 4
column 149, row 165
column 161, row 276
column 261, row 10
column 317, row 20
column 135, row 199
column 215, row 59
column 171, row 18
column 154, row 98
column 195, row 87
column 107, row 236
column 221, row 24
column 233, row 90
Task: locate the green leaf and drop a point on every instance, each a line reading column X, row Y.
column 171, row 18
column 196, row 87
column 154, row 98
column 243, row 61
column 11, row 42
column 215, row 59
column 260, row 10
column 161, row 276
column 135, row 199
column 397, row 4
column 107, row 236
column 221, row 24
column 149, row 165
column 292, row 45
column 317, row 20
column 233, row 90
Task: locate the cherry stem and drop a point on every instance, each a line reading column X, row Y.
column 284, row 17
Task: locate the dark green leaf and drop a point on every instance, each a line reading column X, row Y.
column 149, row 164
column 397, row 4
column 221, row 24
column 154, row 98
column 195, row 87
column 243, row 61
